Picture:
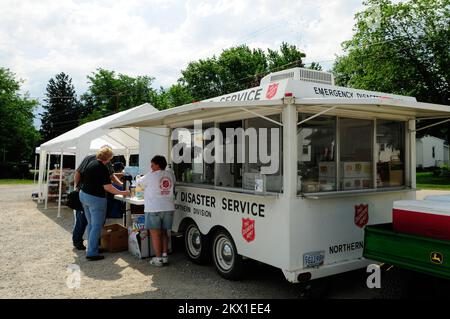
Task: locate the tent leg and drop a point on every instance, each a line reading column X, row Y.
column 42, row 164
column 35, row 166
column 127, row 158
column 46, row 181
column 60, row 183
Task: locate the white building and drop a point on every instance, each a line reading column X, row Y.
column 431, row 151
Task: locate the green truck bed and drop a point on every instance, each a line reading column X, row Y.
column 422, row 254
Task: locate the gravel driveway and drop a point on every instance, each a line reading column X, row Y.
column 36, row 256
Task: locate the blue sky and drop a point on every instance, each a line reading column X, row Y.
column 39, row 39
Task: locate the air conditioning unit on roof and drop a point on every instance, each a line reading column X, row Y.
column 301, row 74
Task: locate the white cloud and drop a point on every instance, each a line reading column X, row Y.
column 39, row 39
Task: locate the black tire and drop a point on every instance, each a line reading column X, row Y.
column 316, row 289
column 196, row 245
column 228, row 263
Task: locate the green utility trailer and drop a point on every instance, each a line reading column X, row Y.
column 426, row 255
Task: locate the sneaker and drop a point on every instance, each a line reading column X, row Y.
column 165, row 260
column 156, row 262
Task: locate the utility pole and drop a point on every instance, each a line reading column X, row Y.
column 117, row 102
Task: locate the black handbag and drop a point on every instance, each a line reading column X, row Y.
column 73, row 200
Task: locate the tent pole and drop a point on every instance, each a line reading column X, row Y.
column 41, row 176
column 60, row 182
column 35, row 166
column 127, row 157
column 46, row 181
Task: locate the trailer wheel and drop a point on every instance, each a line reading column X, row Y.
column 195, row 244
column 229, row 264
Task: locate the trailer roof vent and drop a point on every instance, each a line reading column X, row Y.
column 300, row 74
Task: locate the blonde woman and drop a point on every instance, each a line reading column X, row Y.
column 96, row 182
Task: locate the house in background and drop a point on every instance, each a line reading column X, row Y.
column 431, row 152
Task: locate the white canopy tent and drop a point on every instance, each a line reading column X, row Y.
column 87, row 139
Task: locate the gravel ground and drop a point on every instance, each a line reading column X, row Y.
column 36, row 253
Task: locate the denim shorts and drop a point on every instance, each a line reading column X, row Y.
column 159, row 220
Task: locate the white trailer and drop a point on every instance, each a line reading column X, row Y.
column 345, row 156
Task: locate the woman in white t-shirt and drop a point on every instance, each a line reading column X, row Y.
column 159, row 207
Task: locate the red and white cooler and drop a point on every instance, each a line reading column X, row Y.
column 422, row 217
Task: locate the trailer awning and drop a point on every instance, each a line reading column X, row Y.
column 376, row 107
column 204, row 111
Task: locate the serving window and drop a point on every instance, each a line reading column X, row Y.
column 317, row 154
column 356, row 154
column 390, row 153
column 189, row 144
column 342, row 154
column 237, row 151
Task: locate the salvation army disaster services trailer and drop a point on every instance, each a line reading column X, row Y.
column 344, row 156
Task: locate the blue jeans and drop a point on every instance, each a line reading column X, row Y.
column 95, row 210
column 79, row 227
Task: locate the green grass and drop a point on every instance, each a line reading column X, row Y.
column 15, row 181
column 426, row 180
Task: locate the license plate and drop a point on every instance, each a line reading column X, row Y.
column 313, row 259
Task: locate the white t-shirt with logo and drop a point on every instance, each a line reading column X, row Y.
column 158, row 191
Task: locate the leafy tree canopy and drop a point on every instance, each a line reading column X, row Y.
column 236, row 69
column 18, row 136
column 109, row 93
column 62, row 109
column 401, row 48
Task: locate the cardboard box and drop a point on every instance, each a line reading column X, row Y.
column 395, row 177
column 355, row 183
column 310, row 187
column 114, row 238
column 327, row 169
column 356, row 169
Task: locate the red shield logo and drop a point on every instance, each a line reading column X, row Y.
column 361, row 215
column 272, row 90
column 164, row 186
column 248, row 229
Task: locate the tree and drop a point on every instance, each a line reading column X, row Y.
column 110, row 93
column 401, row 48
column 236, row 69
column 315, row 66
column 288, row 57
column 176, row 95
column 18, row 136
column 62, row 109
